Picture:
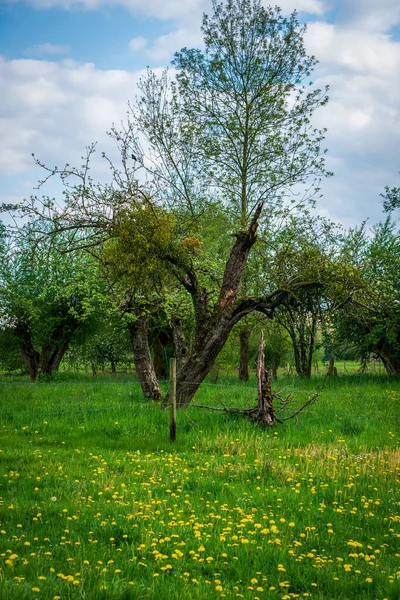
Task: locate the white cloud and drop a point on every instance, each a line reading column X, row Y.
column 137, row 44
column 171, row 9
column 370, row 15
column 47, row 49
column 164, row 47
column 184, row 12
column 363, row 116
column 56, row 109
column 354, row 49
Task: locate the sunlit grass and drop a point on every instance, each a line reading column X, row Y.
column 97, row 503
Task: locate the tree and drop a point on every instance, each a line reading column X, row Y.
column 391, row 199
column 372, row 320
column 233, row 130
column 46, row 297
column 241, row 87
column 239, row 115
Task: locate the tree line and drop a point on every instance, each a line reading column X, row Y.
column 206, row 221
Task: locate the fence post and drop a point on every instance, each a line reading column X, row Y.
column 172, row 399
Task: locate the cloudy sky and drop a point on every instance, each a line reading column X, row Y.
column 69, row 67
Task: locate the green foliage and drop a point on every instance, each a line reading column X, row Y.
column 46, row 294
column 244, row 96
column 142, row 243
column 10, row 354
column 372, row 320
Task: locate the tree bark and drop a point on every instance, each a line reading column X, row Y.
column 30, row 356
column 213, row 325
column 139, row 335
column 52, row 355
column 181, row 347
column 244, row 338
column 159, row 359
column 391, row 364
column 265, row 410
column 301, row 326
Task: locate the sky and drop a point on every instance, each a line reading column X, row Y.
column 69, row 67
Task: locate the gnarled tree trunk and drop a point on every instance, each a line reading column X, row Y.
column 139, row 335
column 214, row 324
column 391, row 364
column 181, row 347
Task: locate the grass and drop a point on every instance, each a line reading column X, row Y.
column 96, row 503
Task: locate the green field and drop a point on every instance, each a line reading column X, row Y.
column 97, row 503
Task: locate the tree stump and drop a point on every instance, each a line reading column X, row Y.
column 265, row 410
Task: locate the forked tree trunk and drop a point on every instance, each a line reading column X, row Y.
column 244, row 338
column 201, row 361
column 52, row 355
column 214, row 324
column 139, row 335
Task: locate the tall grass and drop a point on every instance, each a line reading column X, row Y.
column 97, row 503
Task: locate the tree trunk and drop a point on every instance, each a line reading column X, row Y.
column 52, row 355
column 244, row 337
column 200, row 363
column 215, row 372
column 30, row 356
column 213, row 325
column 181, row 348
column 139, row 335
column 274, row 368
column 332, row 370
column 31, row 359
column 159, row 359
column 113, row 366
column 392, row 365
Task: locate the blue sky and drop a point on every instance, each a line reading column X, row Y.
column 69, row 67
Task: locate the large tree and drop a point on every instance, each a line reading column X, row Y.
column 231, row 128
column 234, row 125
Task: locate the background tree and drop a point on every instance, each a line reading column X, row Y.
column 46, row 296
column 391, row 199
column 233, row 131
column 372, row 320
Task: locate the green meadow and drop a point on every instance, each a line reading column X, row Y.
column 97, row 503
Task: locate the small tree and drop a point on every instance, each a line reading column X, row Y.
column 371, row 321
column 46, row 297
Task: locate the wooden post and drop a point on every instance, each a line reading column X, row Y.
column 172, row 399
